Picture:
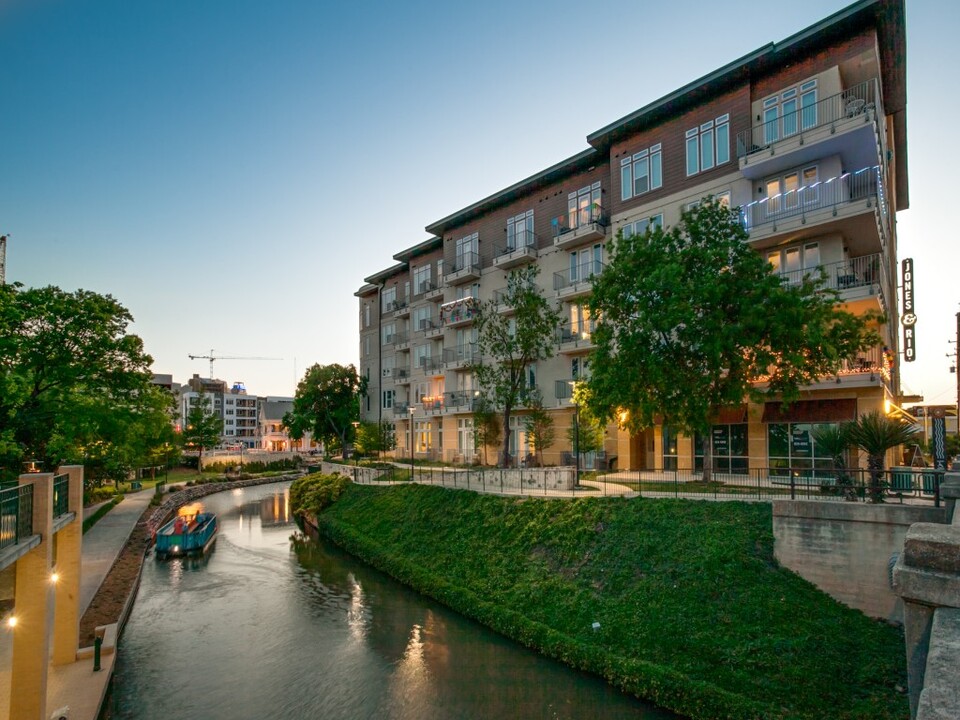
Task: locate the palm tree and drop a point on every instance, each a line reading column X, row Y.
column 875, row 433
column 833, row 440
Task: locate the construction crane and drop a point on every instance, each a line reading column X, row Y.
column 211, row 357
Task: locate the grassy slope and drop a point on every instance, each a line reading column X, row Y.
column 688, row 586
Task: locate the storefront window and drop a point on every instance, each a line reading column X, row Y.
column 792, row 449
column 729, row 449
column 669, row 448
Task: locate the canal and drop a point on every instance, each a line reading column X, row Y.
column 273, row 626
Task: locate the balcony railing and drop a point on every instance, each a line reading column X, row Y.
column 850, row 103
column 856, row 272
column 401, row 408
column 458, row 311
column 578, row 335
column 581, row 273
column 424, row 287
column 398, row 304
column 562, row 389
column 61, row 495
column 460, row 354
column 581, row 217
column 400, row 338
column 462, row 400
column 466, row 261
column 861, row 185
column 400, row 374
column 16, row 515
column 431, row 364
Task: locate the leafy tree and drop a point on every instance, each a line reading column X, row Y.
column 376, row 437
column 486, row 426
column 875, row 433
column 539, row 426
column 327, row 402
column 204, row 428
column 691, row 319
column 73, row 381
column 508, row 345
column 587, row 433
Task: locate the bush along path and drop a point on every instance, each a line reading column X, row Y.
column 694, row 613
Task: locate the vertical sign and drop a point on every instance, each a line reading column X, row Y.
column 939, row 438
column 909, row 318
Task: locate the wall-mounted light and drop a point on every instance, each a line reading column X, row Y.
column 54, row 577
column 12, row 621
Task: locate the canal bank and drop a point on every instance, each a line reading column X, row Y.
column 679, row 602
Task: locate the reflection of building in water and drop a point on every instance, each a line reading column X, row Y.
column 275, row 509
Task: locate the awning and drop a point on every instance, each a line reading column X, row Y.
column 730, row 415
column 811, row 411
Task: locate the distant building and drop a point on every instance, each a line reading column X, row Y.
column 234, row 405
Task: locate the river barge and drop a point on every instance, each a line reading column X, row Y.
column 192, row 532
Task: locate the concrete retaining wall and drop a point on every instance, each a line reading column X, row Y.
column 845, row 548
column 489, row 479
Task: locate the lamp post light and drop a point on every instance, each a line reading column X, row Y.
column 411, row 409
column 356, row 425
column 576, row 432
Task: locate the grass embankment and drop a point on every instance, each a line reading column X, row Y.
column 695, row 614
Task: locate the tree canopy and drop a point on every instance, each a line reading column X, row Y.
column 74, row 384
column 691, row 319
column 204, row 427
column 510, row 343
column 327, row 403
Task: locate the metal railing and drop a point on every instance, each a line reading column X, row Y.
column 16, row 515
column 562, row 389
column 400, row 373
column 462, row 399
column 580, row 273
column 431, row 363
column 460, row 354
column 852, row 102
column 460, row 313
column 400, row 338
column 398, row 304
column 577, row 334
column 466, row 261
column 856, row 272
column 428, row 324
column 401, row 408
column 580, row 217
column 424, row 287
column 523, row 239
column 861, row 185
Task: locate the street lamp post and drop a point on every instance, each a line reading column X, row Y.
column 576, row 432
column 411, row 408
column 356, row 425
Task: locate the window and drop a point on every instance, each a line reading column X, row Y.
column 465, row 436
column 723, row 198
column 794, row 262
column 669, row 448
column 422, row 430
column 421, row 354
column 421, row 318
column 583, row 206
column 387, row 399
column 520, row 230
column 386, row 369
column 387, row 299
column 641, row 173
column 790, row 111
column 708, row 145
column 467, row 251
column 729, row 448
column 366, row 314
column 387, row 332
column 581, row 326
column 421, row 280
column 786, row 193
column 586, row 263
column 580, row 368
column 366, row 345
column 468, row 291
column 793, row 450
column 640, row 226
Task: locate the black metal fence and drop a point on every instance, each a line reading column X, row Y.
column 16, row 515
column 61, row 495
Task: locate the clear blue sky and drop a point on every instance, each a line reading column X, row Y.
column 230, row 170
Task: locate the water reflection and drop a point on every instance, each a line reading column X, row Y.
column 274, row 626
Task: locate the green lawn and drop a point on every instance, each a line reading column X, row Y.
column 694, row 611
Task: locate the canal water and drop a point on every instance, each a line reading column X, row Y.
column 273, row 626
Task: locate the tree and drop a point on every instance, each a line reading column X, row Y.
column 509, row 345
column 204, row 428
column 539, row 426
column 327, row 402
column 376, row 437
column 875, row 433
column 690, row 319
column 73, row 381
column 588, row 432
column 486, row 426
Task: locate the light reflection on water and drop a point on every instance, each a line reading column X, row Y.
column 274, row 626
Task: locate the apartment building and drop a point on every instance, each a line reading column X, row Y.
column 806, row 136
column 238, row 410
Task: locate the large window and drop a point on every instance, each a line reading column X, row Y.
column 422, row 434
column 708, row 145
column 791, row 190
column 581, row 325
column 387, row 298
column 421, row 280
column 793, row 450
column 520, row 230
column 583, row 206
column 467, row 251
column 729, row 448
column 387, row 399
column 790, row 111
column 639, row 227
column 669, row 448
column 387, row 332
column 792, row 263
column 465, row 437
column 421, row 354
column 586, row 263
column 421, row 318
column 641, row 172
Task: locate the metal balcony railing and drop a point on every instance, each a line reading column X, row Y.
column 400, row 373
column 423, row 287
column 582, row 272
column 852, row 187
column 16, row 515
column 863, row 271
column 462, row 400
column 428, row 324
column 562, row 389
column 523, row 239
column 578, row 334
column 580, row 217
column 466, row 261
column 460, row 354
column 401, row 408
column 398, row 304
column 400, row 338
column 850, row 103
column 61, row 495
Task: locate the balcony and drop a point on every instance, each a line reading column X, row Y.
column 851, row 198
column 430, row 327
column 462, row 401
column 859, row 282
column 401, row 376
column 501, row 300
column 461, row 357
column 432, row 365
column 521, row 251
column 433, row 405
column 580, row 227
column 563, row 392
column 401, row 409
column 400, row 307
column 576, row 281
column 465, row 267
column 427, row 290
column 458, row 313
column 849, row 124
column 574, row 341
column 401, row 340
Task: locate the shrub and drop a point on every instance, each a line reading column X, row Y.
column 313, row 493
column 98, row 494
